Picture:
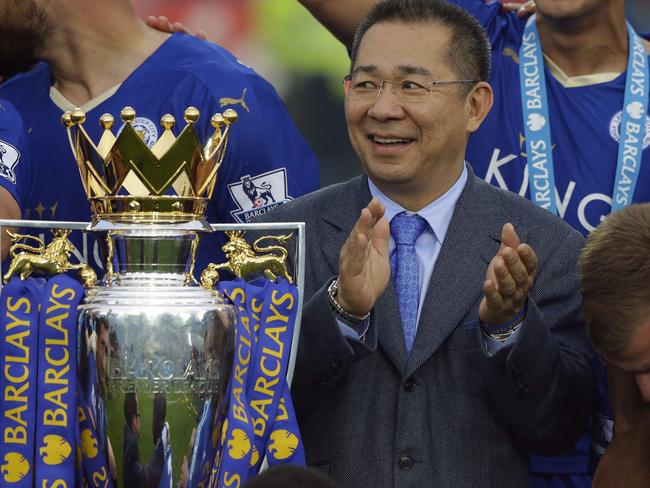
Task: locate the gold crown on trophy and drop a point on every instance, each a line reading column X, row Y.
column 128, row 182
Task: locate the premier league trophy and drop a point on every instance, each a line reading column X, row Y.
column 172, row 383
column 153, row 349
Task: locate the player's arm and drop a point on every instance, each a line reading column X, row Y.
column 9, row 210
column 340, row 17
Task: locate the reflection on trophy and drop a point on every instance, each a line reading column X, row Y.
column 154, row 347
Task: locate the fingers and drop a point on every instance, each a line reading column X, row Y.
column 528, row 258
column 364, row 268
column 510, row 6
column 522, row 9
column 492, row 296
column 163, row 24
column 509, row 278
column 376, row 209
column 509, row 237
column 160, row 23
column 507, row 284
column 516, row 253
column 178, row 27
column 527, row 9
column 356, row 249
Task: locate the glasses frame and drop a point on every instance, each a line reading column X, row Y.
column 347, row 80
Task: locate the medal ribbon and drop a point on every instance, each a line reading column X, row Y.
column 534, row 102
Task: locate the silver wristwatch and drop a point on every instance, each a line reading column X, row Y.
column 348, row 318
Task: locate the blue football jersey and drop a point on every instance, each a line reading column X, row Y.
column 267, row 161
column 585, row 130
column 16, row 173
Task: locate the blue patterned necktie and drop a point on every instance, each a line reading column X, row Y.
column 405, row 229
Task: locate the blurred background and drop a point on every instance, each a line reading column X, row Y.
column 305, row 63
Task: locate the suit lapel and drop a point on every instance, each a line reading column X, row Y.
column 472, row 239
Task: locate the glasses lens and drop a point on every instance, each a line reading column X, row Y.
column 360, row 87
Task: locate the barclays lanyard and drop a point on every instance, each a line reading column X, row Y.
column 534, row 103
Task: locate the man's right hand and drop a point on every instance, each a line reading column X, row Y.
column 364, row 265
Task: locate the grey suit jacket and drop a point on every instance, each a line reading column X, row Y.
column 448, row 414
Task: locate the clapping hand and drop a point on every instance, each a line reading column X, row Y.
column 509, row 277
column 364, row 265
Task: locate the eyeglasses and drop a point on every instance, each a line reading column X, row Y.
column 416, row 88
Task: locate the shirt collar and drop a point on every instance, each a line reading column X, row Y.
column 437, row 214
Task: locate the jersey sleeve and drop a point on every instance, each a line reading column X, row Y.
column 16, row 171
column 267, row 161
column 498, row 24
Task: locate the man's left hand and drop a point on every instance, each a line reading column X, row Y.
column 509, row 277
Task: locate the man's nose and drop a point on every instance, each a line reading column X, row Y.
column 386, row 105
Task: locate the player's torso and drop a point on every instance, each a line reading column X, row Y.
column 58, row 193
column 585, row 131
column 265, row 160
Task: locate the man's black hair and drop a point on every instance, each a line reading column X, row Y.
column 469, row 52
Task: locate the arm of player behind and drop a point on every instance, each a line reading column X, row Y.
column 340, row 17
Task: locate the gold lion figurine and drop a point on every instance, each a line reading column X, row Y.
column 48, row 260
column 242, row 260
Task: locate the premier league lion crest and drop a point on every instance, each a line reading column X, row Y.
column 256, row 195
column 9, row 158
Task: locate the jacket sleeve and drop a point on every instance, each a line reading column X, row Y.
column 542, row 385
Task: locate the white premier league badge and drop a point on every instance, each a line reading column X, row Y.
column 256, row 195
column 9, row 157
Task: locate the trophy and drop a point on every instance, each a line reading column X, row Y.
column 154, row 348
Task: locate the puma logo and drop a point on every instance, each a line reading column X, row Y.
column 511, row 54
column 235, row 101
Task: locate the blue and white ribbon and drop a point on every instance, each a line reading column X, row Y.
column 539, row 149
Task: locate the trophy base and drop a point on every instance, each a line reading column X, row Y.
column 161, row 351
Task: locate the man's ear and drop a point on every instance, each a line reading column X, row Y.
column 479, row 102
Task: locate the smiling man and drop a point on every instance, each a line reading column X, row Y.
column 436, row 346
column 570, row 126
